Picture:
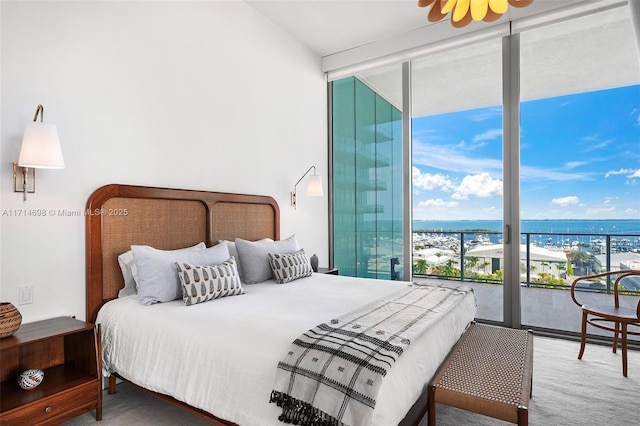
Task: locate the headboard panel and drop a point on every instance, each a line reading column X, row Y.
column 119, row 216
column 230, row 220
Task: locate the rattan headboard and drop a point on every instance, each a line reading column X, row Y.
column 119, row 216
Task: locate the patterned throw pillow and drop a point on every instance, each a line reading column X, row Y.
column 204, row 283
column 289, row 267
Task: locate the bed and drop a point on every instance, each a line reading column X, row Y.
column 218, row 359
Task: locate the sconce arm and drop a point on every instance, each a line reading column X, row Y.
column 39, row 110
column 305, row 173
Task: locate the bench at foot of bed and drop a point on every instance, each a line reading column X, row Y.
column 490, row 372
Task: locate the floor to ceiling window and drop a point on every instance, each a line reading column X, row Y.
column 457, row 167
column 572, row 181
column 367, row 181
column 580, row 155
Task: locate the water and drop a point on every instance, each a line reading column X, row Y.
column 629, row 227
column 591, row 234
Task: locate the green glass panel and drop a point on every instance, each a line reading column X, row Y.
column 364, row 173
column 344, row 232
column 367, row 180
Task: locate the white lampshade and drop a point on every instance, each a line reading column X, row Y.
column 314, row 187
column 41, row 147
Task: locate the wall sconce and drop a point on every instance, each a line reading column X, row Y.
column 314, row 188
column 40, row 150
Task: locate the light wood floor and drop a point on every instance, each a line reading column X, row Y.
column 542, row 308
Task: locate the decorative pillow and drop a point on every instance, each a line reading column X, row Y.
column 289, row 267
column 254, row 257
column 157, row 276
column 130, row 272
column 204, row 283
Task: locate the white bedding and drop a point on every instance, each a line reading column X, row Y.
column 221, row 356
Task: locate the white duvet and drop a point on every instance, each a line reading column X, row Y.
column 221, row 356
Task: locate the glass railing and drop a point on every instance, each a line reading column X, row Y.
column 547, row 260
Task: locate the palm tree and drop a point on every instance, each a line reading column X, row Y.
column 420, row 267
column 473, row 262
column 543, row 264
column 560, row 267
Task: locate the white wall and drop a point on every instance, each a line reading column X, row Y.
column 198, row 95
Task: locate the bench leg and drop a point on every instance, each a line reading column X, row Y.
column 523, row 416
column 431, row 404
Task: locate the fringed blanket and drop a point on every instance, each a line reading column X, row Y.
column 331, row 374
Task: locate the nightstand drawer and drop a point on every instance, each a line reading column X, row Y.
column 48, row 408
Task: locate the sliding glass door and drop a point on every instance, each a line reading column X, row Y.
column 457, row 170
column 525, row 167
column 580, row 154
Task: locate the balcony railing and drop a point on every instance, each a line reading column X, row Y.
column 547, row 260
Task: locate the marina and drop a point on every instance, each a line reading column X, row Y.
column 472, row 250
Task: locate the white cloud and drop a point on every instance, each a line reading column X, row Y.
column 438, row 202
column 481, row 185
column 574, row 164
column 490, row 134
column 571, row 200
column 531, row 174
column 460, row 160
column 449, row 158
column 594, row 143
column 629, row 173
column 600, row 212
column 429, row 182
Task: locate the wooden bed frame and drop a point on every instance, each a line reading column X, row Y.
column 119, row 216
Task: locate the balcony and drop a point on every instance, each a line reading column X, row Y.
column 548, row 265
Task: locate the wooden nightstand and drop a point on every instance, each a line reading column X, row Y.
column 68, row 351
column 330, row 271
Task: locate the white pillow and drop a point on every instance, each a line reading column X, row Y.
column 254, row 257
column 130, row 272
column 157, row 276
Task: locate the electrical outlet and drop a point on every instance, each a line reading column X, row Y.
column 25, row 294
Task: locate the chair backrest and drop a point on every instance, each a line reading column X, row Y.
column 620, row 276
column 624, row 274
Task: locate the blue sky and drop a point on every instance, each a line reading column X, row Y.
column 579, row 159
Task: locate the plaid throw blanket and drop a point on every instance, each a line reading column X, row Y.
column 331, row 374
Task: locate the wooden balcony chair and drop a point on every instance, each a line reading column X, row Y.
column 610, row 317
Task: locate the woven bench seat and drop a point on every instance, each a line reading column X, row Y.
column 489, row 371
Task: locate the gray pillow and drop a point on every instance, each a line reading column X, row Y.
column 233, row 252
column 157, row 275
column 130, row 272
column 254, row 257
